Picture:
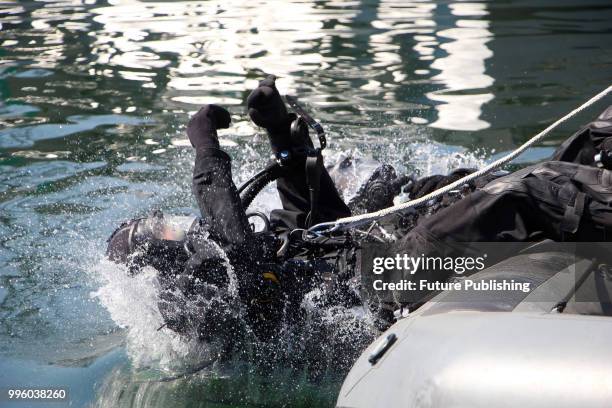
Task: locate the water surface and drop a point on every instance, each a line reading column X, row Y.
column 94, row 96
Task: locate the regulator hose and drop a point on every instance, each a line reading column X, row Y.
column 249, row 190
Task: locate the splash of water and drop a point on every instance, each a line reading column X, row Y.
column 132, row 304
column 132, row 301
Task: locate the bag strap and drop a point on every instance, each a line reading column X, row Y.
column 314, row 169
column 573, row 213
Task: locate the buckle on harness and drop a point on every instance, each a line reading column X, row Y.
column 308, row 120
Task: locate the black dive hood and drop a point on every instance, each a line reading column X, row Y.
column 153, row 240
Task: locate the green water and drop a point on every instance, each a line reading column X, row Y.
column 94, row 96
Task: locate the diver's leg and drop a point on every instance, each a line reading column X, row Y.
column 218, row 198
column 222, row 210
column 212, row 182
column 196, row 299
column 267, row 109
column 294, row 195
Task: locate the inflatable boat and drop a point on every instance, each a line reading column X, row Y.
column 548, row 347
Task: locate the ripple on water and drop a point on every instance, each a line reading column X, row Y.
column 420, row 85
column 19, row 137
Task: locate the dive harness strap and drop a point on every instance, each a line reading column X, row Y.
column 316, row 126
column 314, row 168
column 314, row 158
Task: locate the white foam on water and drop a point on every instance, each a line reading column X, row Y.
column 433, row 158
column 132, row 304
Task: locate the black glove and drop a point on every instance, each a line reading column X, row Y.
column 426, row 185
column 202, row 127
column 378, row 192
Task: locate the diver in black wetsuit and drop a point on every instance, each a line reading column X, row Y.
column 251, row 255
column 269, row 285
column 567, row 199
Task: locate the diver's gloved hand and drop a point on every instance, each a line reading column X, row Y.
column 267, row 109
column 379, row 190
column 202, row 127
column 429, row 184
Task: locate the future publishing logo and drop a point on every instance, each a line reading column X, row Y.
column 409, row 265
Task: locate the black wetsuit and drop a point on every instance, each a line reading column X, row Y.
column 566, row 199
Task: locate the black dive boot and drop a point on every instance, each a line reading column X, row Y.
column 267, row 110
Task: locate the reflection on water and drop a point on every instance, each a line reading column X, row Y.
column 94, row 96
column 463, row 69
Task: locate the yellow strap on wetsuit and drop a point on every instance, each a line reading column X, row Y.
column 271, row 277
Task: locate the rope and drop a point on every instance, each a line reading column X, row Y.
column 365, row 218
